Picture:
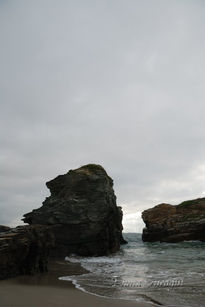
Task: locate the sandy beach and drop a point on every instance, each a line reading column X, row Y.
column 45, row 290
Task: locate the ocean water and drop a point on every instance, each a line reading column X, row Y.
column 160, row 273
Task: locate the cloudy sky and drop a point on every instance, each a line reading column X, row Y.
column 114, row 82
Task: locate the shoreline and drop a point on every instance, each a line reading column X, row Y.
column 46, row 290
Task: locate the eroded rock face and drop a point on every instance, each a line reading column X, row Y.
column 81, row 212
column 24, row 250
column 167, row 223
column 4, row 228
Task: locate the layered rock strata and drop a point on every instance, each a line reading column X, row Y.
column 24, row 250
column 168, row 223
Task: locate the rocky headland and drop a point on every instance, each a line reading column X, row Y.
column 168, row 223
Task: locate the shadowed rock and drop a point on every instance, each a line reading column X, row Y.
column 24, row 250
column 82, row 213
column 167, row 223
column 4, row 228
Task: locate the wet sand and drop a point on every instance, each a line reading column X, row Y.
column 46, row 290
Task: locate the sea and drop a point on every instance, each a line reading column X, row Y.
column 168, row 274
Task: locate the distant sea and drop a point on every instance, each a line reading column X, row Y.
column 171, row 274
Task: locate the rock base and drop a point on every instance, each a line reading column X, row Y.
column 24, row 250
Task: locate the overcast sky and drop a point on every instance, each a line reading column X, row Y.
column 114, row 82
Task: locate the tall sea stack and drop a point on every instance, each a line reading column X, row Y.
column 81, row 213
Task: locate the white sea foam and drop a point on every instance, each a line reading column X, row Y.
column 93, row 259
column 96, row 264
column 139, row 262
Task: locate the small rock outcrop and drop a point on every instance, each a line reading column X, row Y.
column 24, row 250
column 168, row 223
column 82, row 213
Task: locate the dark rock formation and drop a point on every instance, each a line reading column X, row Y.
column 82, row 213
column 4, row 228
column 24, row 250
column 167, row 223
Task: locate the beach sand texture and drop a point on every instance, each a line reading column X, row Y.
column 45, row 290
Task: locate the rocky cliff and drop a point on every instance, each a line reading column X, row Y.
column 167, row 223
column 24, row 250
column 81, row 212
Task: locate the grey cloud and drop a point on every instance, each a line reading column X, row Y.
column 113, row 82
